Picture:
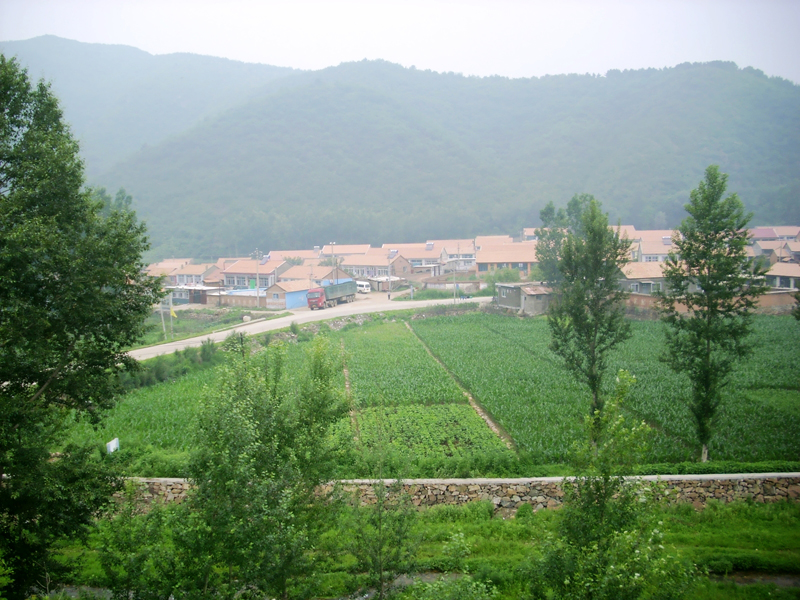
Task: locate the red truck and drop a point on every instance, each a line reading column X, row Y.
column 331, row 295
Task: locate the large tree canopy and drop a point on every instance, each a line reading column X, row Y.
column 587, row 318
column 72, row 299
column 556, row 224
column 712, row 289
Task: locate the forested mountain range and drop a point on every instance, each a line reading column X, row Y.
column 374, row 152
column 119, row 98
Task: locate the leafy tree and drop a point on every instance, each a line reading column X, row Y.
column 331, row 261
column 134, row 552
column 608, row 545
column 120, row 203
column 382, row 534
column 711, row 291
column 501, row 276
column 73, row 299
column 254, row 513
column 796, row 309
column 587, row 317
column 555, row 227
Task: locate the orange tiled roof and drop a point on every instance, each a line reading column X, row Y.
column 284, row 254
column 784, row 269
column 517, row 252
column 248, row 266
column 193, row 269
column 643, row 270
column 341, row 250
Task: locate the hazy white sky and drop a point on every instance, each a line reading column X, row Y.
column 502, row 37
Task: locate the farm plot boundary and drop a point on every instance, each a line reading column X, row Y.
column 482, row 412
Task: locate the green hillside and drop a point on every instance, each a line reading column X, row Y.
column 222, row 157
column 372, row 152
column 119, row 98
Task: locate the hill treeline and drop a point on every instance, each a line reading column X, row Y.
column 373, row 152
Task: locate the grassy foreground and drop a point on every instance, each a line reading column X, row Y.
column 470, row 540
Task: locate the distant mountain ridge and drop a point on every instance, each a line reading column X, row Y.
column 119, row 98
column 371, row 152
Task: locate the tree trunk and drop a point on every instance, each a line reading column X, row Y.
column 704, row 454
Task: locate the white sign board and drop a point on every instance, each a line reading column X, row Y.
column 112, row 446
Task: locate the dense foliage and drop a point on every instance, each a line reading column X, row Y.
column 587, row 315
column 608, row 545
column 254, row 515
column 72, row 299
column 496, row 552
column 710, row 275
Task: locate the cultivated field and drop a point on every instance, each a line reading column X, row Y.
column 506, row 364
column 409, row 416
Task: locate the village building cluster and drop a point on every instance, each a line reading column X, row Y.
column 281, row 279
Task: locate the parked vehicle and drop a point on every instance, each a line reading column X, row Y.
column 331, row 295
column 363, row 287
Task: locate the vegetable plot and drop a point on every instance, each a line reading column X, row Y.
column 523, row 387
column 388, row 366
column 449, row 430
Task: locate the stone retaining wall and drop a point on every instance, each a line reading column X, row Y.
column 544, row 492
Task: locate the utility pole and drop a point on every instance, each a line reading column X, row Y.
column 454, row 271
column 335, row 265
column 258, row 255
column 163, row 326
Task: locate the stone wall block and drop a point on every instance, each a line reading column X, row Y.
column 509, row 495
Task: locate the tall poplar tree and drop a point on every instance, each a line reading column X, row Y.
column 587, row 316
column 711, row 291
column 556, row 224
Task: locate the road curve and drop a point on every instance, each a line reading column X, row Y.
column 368, row 304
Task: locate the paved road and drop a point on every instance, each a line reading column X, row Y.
column 375, row 302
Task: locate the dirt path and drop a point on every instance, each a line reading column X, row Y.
column 374, row 302
column 499, row 431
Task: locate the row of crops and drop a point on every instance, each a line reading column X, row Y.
column 449, row 430
column 389, row 367
column 411, row 417
column 507, row 366
column 408, row 410
column 521, row 384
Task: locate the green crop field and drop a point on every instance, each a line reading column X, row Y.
column 507, row 366
column 388, row 366
column 161, row 416
column 154, row 426
column 409, row 408
column 451, row 430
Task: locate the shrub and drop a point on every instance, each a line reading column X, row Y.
column 462, row 588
